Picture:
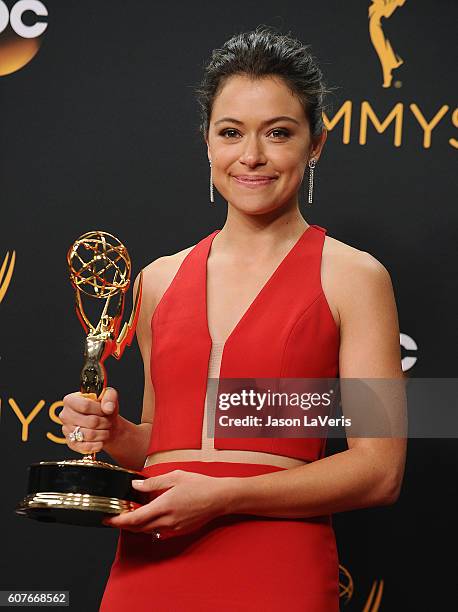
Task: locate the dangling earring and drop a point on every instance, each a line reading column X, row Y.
column 212, row 199
column 312, row 164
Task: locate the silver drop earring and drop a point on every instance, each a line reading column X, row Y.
column 312, row 164
column 212, row 199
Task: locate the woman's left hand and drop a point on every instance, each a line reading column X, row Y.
column 190, row 500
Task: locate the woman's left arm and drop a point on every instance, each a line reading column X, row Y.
column 370, row 472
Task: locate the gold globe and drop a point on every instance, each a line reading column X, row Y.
column 99, row 265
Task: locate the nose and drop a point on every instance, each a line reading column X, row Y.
column 252, row 154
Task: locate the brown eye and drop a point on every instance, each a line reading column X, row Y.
column 228, row 132
column 280, row 133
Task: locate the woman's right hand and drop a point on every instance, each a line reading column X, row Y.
column 97, row 419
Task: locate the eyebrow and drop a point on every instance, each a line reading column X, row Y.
column 267, row 122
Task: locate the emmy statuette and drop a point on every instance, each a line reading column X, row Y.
column 83, row 491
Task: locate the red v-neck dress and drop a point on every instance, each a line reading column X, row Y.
column 240, row 562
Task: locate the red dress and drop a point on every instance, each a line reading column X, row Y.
column 240, row 562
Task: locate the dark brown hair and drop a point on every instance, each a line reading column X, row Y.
column 265, row 52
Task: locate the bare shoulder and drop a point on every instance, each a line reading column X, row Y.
column 349, row 274
column 349, row 257
column 158, row 275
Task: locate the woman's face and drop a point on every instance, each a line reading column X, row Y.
column 259, row 144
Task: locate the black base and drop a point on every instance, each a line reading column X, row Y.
column 79, row 492
column 68, row 516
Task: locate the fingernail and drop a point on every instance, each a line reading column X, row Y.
column 109, row 406
column 137, row 482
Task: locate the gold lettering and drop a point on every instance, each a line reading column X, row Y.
column 53, row 416
column 428, row 127
column 454, row 141
column 6, row 279
column 25, row 420
column 396, row 113
column 345, row 112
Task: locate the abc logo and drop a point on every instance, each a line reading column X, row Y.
column 21, row 29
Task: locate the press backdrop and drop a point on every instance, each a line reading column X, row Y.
column 99, row 129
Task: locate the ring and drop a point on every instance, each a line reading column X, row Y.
column 156, row 534
column 76, row 435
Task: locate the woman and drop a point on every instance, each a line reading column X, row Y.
column 245, row 524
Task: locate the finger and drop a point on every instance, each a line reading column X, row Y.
column 109, row 401
column 163, row 524
column 154, row 483
column 136, row 518
column 89, row 435
column 149, row 528
column 91, row 421
column 84, row 405
column 165, row 527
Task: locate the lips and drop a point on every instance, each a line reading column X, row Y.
column 254, row 180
